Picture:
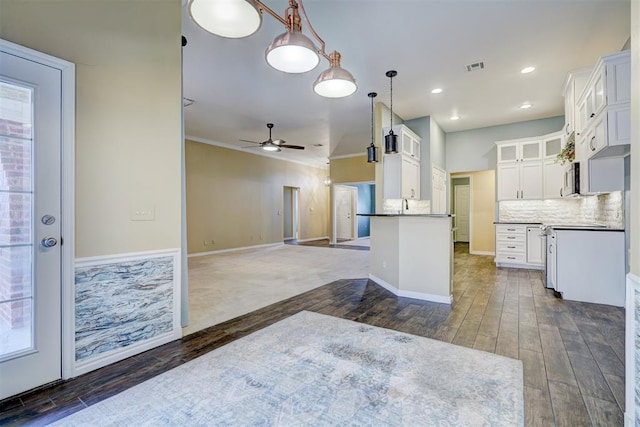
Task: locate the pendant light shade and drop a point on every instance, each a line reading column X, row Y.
column 292, row 52
column 372, row 150
column 226, row 18
column 335, row 82
column 391, row 140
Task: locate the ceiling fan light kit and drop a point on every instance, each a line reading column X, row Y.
column 271, row 145
column 391, row 140
column 372, row 150
column 290, row 52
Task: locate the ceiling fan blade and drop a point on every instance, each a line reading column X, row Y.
column 246, row 140
column 254, row 146
column 279, row 142
column 295, row 147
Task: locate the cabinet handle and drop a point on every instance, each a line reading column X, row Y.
column 510, row 237
column 566, row 129
column 511, row 247
column 593, row 148
column 561, row 192
column 592, row 115
column 511, row 229
column 511, row 257
column 550, row 249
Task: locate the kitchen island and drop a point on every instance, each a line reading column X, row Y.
column 412, row 255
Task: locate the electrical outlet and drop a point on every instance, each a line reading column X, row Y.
column 143, row 213
column 213, row 242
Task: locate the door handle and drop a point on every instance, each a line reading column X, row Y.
column 593, row 148
column 49, row 242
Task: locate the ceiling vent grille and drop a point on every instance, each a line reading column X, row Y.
column 476, row 66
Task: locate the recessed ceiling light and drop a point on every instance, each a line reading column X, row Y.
column 436, row 90
column 455, row 117
column 525, row 106
column 527, row 70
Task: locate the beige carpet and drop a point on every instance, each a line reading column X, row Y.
column 227, row 285
column 363, row 241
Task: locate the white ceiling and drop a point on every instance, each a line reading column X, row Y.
column 429, row 43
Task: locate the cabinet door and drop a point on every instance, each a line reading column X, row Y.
column 534, row 246
column 599, row 99
column 582, row 116
column 508, row 152
column 531, row 150
column 509, row 181
column 598, row 138
column 553, row 175
column 531, row 180
column 407, row 143
column 619, row 125
column 569, row 108
column 416, row 148
column 552, row 146
column 391, row 176
column 410, row 179
column 619, row 82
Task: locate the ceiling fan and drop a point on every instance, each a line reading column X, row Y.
column 271, row 145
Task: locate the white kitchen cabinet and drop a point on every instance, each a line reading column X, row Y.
column 590, row 266
column 519, row 169
column 609, row 85
column 513, row 244
column 408, row 141
column 534, row 246
column 574, row 86
column 401, row 177
column 553, row 177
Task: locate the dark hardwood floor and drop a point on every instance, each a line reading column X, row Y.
column 572, row 353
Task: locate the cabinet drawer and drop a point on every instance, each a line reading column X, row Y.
column 511, row 238
column 511, row 229
column 511, row 258
column 510, row 247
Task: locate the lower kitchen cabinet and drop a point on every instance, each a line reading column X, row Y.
column 590, row 266
column 519, row 246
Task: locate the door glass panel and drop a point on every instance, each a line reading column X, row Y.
column 552, row 147
column 531, row 150
column 16, row 219
column 508, row 152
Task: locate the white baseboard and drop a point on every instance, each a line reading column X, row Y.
column 411, row 294
column 491, row 253
column 313, row 238
column 242, row 248
column 631, row 346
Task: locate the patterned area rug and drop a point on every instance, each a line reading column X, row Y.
column 313, row 369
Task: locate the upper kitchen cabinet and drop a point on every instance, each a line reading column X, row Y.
column 408, row 141
column 609, row 85
column 401, row 172
column 519, row 169
column 574, row 86
column 553, row 171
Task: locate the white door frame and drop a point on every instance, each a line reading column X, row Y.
column 67, row 203
column 455, row 199
column 451, row 178
column 334, row 228
column 353, row 191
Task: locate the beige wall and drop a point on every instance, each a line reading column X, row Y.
column 128, row 106
column 234, row 197
column 483, row 202
column 352, row 169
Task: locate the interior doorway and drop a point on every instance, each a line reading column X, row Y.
column 461, row 208
column 364, row 202
column 290, row 214
column 346, row 208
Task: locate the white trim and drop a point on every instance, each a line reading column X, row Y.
column 491, row 253
column 311, row 239
column 118, row 354
column 632, row 285
column 242, row 248
column 453, row 176
column 68, row 99
column 410, row 294
column 348, row 156
column 256, row 153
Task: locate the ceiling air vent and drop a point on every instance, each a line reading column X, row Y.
column 476, row 66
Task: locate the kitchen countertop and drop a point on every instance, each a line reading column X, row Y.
column 517, row 223
column 404, row 214
column 585, row 227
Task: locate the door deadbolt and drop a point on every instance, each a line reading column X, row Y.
column 49, row 242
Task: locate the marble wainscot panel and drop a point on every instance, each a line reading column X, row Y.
column 124, row 306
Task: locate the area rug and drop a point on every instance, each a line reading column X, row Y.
column 317, row 370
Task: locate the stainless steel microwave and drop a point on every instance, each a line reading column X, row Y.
column 571, row 185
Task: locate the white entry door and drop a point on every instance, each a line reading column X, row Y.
column 345, row 212
column 461, row 200
column 30, row 224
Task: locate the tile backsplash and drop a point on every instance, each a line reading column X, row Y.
column 395, row 206
column 602, row 209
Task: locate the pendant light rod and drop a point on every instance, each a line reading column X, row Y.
column 391, row 74
column 372, row 95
